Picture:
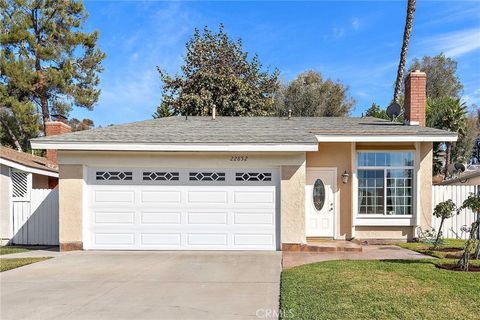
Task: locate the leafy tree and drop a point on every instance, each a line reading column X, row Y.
column 377, row 112
column 217, row 72
column 18, row 120
column 472, row 203
column 163, row 111
column 403, row 53
column 442, row 79
column 80, row 125
column 463, row 149
column 473, row 132
column 444, row 210
column 447, row 114
column 309, row 95
column 46, row 59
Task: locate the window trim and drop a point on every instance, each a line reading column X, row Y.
column 365, row 217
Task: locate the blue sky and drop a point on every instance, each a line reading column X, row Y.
column 356, row 42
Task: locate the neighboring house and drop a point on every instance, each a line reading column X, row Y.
column 20, row 175
column 246, row 183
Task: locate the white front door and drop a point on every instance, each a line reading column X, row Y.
column 320, row 202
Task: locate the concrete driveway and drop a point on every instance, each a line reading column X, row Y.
column 144, row 285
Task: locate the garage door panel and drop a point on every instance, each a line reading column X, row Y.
column 149, row 196
column 114, row 238
column 207, row 239
column 254, row 217
column 161, row 239
column 253, row 239
column 161, row 214
column 196, row 217
column 210, row 197
column 102, row 196
column 114, row 217
column 254, row 197
column 156, row 217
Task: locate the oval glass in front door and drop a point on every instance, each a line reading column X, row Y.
column 318, row 194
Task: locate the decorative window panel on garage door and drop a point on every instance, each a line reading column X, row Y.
column 164, row 209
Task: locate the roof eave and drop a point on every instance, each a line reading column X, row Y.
column 26, row 168
column 194, row 147
column 384, row 138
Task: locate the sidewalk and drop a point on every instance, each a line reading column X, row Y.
column 370, row 252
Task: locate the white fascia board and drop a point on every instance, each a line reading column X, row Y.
column 383, row 138
column 22, row 167
column 172, row 147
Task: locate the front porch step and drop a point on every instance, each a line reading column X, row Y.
column 326, row 246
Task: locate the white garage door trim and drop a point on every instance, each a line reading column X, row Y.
column 181, row 209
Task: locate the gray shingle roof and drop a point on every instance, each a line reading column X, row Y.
column 245, row 130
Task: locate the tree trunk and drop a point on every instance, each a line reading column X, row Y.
column 464, row 261
column 448, row 152
column 477, row 251
column 439, row 233
column 403, row 53
column 45, row 112
column 40, row 88
column 11, row 134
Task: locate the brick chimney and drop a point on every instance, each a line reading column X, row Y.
column 415, row 98
column 53, row 128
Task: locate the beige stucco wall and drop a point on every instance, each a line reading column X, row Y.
column 39, row 181
column 70, row 206
column 292, row 183
column 425, row 183
column 5, row 212
column 338, row 155
column 293, row 204
column 384, row 232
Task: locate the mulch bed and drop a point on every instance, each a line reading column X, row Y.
column 449, row 249
column 454, row 267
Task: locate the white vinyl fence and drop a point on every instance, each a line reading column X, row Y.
column 452, row 228
column 35, row 219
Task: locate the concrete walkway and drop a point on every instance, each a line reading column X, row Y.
column 144, row 285
column 370, row 252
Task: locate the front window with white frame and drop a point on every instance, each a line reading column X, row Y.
column 385, row 183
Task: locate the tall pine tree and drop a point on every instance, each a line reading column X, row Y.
column 46, row 61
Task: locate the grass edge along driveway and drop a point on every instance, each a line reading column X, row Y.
column 4, row 250
column 13, row 263
column 369, row 289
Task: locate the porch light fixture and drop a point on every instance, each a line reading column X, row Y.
column 345, row 177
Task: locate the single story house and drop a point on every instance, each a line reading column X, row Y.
column 20, row 173
column 246, row 183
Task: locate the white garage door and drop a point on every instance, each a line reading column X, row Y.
column 181, row 209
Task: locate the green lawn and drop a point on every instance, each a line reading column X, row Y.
column 426, row 248
column 18, row 248
column 448, row 253
column 12, row 263
column 12, row 249
column 379, row 290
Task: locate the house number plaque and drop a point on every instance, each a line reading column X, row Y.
column 238, row 158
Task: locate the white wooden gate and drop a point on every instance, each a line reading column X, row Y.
column 452, row 228
column 35, row 219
